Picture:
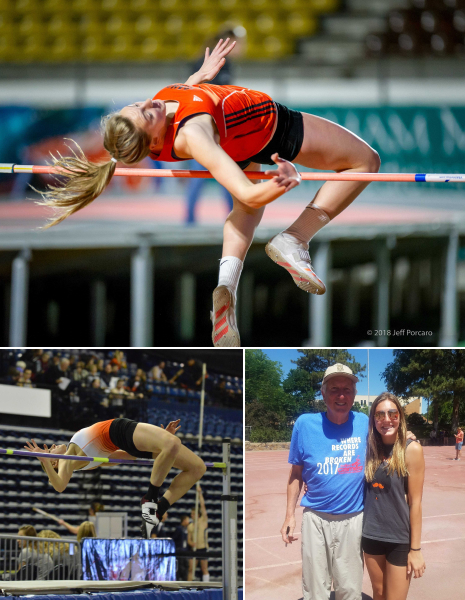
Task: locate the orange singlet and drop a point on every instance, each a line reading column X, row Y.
column 245, row 118
column 95, row 441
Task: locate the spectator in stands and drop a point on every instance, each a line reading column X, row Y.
column 138, row 384
column 159, row 530
column 31, row 555
column 202, row 543
column 107, row 375
column 57, row 373
column 458, row 443
column 180, row 541
column 191, row 375
column 119, row 359
column 46, row 362
column 25, row 379
column 86, row 530
column 158, row 373
column 93, row 374
column 442, row 435
column 80, row 373
column 115, row 370
column 100, row 365
column 13, row 376
column 59, row 552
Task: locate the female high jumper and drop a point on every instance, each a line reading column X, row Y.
column 126, row 439
column 229, row 129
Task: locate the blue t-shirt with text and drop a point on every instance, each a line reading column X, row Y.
column 333, row 461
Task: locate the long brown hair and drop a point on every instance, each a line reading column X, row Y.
column 375, row 449
column 84, row 180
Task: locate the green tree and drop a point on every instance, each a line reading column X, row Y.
column 437, row 375
column 314, row 364
column 263, row 381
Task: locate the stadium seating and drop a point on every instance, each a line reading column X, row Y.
column 141, row 30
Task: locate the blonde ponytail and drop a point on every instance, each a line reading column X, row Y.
column 84, row 180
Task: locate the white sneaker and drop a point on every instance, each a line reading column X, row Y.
column 149, row 511
column 293, row 255
column 223, row 316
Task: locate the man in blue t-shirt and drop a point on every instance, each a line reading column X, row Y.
column 328, row 453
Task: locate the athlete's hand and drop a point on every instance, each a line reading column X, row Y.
column 214, row 62
column 287, row 531
column 33, row 447
column 286, row 175
column 172, row 426
column 416, row 563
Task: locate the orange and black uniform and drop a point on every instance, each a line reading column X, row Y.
column 245, row 118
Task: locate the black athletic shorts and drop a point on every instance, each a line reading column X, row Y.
column 396, row 554
column 121, row 434
column 286, row 141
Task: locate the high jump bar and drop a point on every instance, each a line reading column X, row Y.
column 185, row 173
column 97, row 459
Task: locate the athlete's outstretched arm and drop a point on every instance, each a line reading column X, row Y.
column 213, row 63
column 58, row 480
column 199, row 139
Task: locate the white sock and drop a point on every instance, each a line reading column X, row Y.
column 205, row 577
column 230, row 272
column 312, row 219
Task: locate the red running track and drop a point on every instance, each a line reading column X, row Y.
column 273, row 571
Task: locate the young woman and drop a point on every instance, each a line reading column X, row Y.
column 394, row 471
column 126, row 439
column 458, row 443
column 228, row 129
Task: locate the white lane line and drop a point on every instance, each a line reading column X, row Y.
column 267, row 537
column 444, row 540
column 438, row 516
column 297, row 562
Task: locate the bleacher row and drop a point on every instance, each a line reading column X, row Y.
column 24, row 485
column 425, row 28
column 141, row 30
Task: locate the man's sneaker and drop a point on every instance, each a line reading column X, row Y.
column 293, row 255
column 223, row 316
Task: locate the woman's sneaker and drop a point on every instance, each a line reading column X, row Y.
column 292, row 255
column 149, row 516
column 223, row 316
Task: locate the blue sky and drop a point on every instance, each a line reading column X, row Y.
column 379, row 358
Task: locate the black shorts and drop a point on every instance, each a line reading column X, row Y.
column 121, row 434
column 286, row 141
column 396, row 554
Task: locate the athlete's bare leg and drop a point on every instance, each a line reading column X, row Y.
column 328, row 146
column 169, row 452
column 240, row 225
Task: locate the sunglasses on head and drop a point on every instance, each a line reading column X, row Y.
column 392, row 414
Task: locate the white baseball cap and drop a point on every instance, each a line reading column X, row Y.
column 339, row 370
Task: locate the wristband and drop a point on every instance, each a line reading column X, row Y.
column 415, row 549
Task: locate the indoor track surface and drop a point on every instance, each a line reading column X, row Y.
column 273, row 571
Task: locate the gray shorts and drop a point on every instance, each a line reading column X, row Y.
column 332, row 553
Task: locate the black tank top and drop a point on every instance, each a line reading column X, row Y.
column 386, row 515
